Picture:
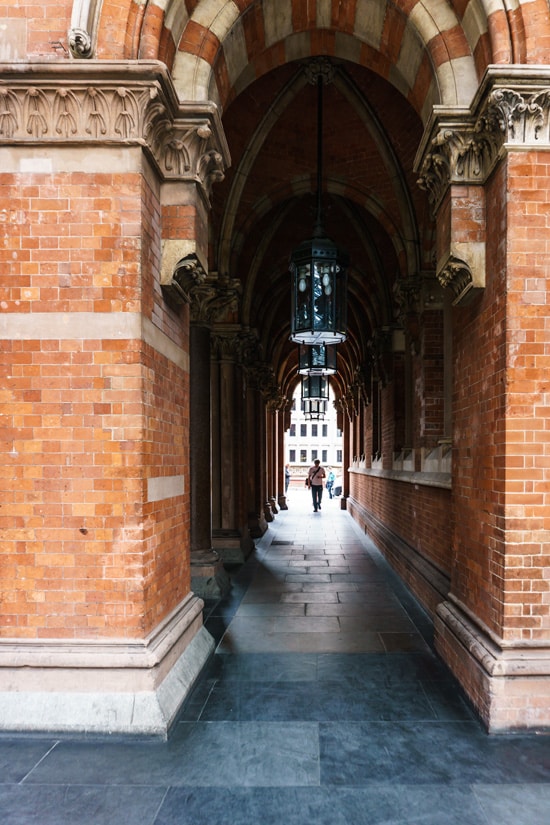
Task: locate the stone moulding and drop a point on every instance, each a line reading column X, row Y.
column 113, row 102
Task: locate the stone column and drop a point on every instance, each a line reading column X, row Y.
column 231, row 537
column 281, row 457
column 209, row 299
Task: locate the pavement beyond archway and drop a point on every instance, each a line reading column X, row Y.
column 324, row 704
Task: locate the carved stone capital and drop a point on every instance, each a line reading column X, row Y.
column 109, row 103
column 511, row 109
column 459, row 153
column 225, row 342
column 210, row 298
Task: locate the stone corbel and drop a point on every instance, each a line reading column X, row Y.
column 81, row 35
column 463, row 271
column 180, row 270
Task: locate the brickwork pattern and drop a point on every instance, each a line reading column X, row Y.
column 86, row 420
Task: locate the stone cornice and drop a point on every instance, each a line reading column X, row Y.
column 462, row 146
column 113, row 102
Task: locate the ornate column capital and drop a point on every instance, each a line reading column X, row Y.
column 210, row 298
column 462, row 146
column 106, row 103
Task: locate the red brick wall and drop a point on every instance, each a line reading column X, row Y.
column 86, row 420
column 417, row 514
column 524, row 469
column 479, row 340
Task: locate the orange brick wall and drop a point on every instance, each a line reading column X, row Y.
column 86, row 420
column 526, row 482
column 501, row 422
column 479, row 340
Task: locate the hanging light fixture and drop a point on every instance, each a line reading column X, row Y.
column 317, row 266
column 314, row 409
column 314, row 396
column 317, row 359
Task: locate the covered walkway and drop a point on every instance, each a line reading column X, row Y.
column 323, row 704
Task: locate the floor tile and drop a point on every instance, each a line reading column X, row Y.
column 324, row 704
column 79, row 805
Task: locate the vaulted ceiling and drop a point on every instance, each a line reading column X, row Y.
column 372, row 205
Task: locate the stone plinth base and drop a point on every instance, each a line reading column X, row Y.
column 509, row 685
column 233, row 546
column 209, row 578
column 106, row 687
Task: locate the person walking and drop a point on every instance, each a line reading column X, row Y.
column 330, row 482
column 287, row 477
column 315, row 478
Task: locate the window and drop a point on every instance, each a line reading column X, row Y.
column 338, row 456
column 324, row 456
column 303, row 456
column 314, row 430
column 293, row 404
column 303, row 430
column 292, row 456
column 313, row 455
column 325, row 430
column 292, row 432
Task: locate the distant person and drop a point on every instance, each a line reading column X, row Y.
column 314, row 481
column 330, row 482
column 287, row 477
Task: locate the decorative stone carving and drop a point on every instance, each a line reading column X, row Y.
column 188, row 275
column 459, row 154
column 408, row 296
column 112, row 104
column 463, row 145
column 463, row 270
column 209, row 297
column 80, row 43
column 81, row 34
column 380, row 349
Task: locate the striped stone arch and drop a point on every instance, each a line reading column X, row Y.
column 434, row 52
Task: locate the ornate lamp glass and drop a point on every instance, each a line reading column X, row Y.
column 315, row 386
column 317, row 359
column 314, row 409
column 319, row 293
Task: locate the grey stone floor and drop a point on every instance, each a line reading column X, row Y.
column 323, row 704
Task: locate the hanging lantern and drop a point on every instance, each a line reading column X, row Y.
column 319, row 273
column 317, row 359
column 314, row 409
column 315, row 386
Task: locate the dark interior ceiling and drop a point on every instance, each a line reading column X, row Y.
column 372, row 205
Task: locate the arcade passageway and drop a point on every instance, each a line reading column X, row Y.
column 323, row 703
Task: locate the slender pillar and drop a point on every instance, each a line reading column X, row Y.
column 280, row 435
column 230, row 534
column 209, row 579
